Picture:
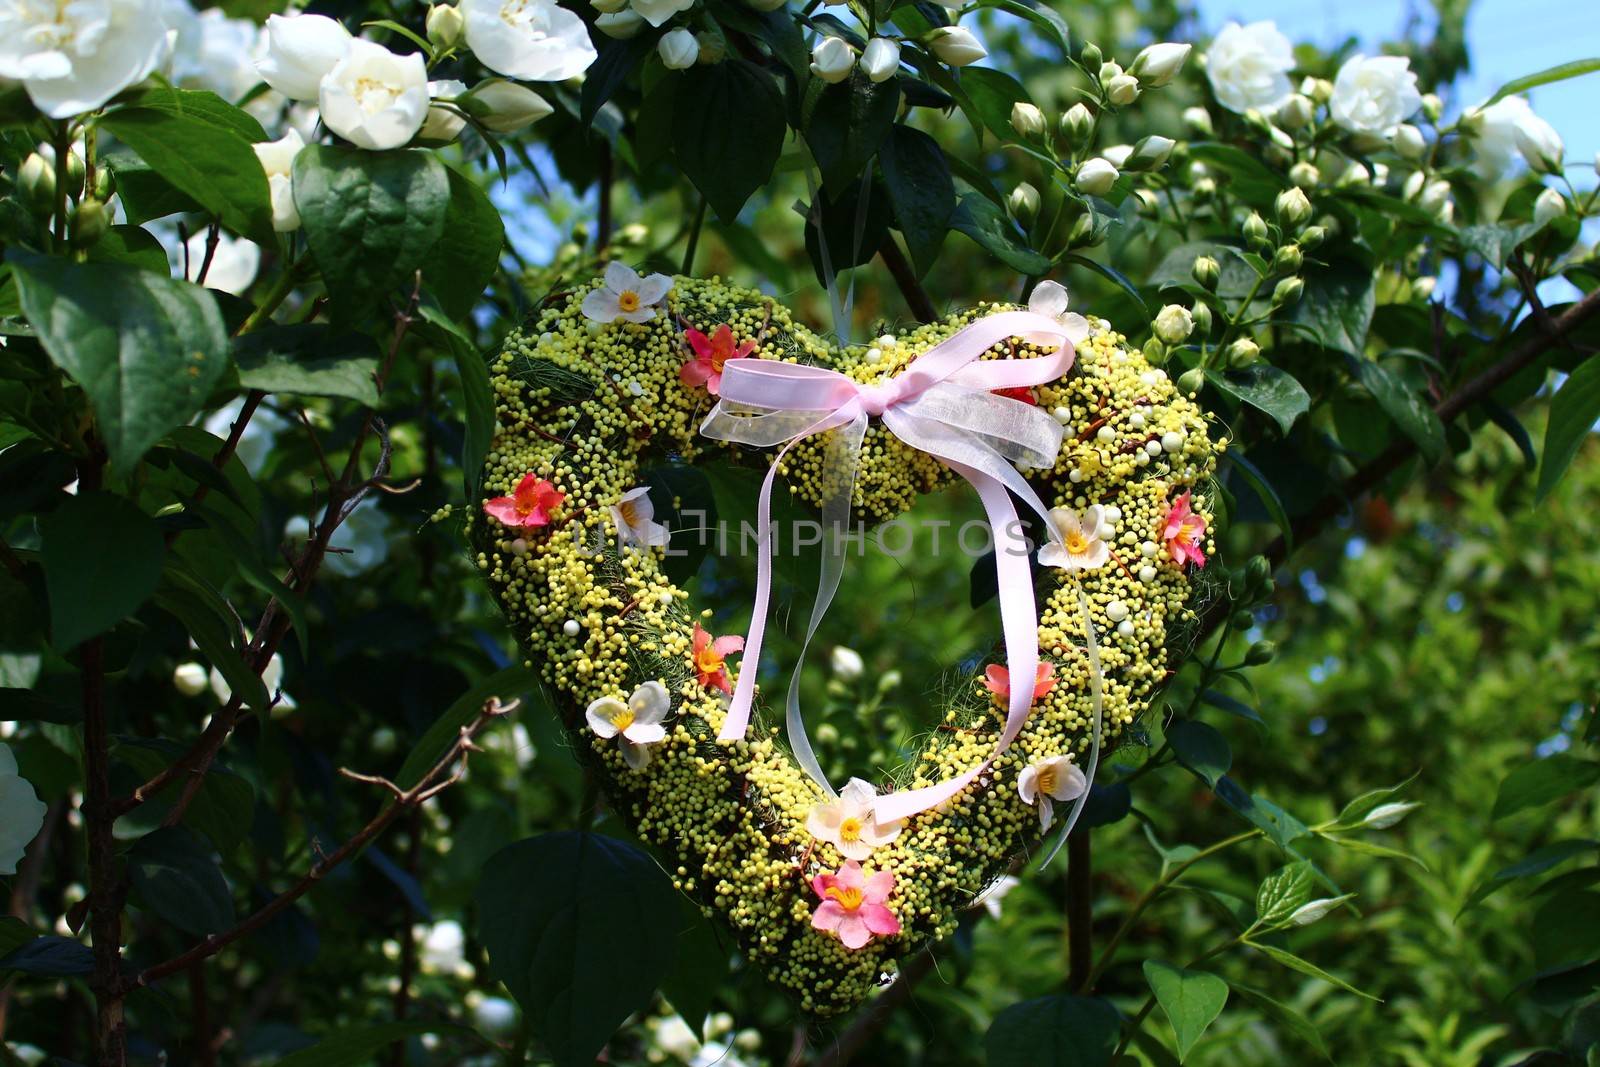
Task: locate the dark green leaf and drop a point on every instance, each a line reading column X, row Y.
column 1496, row 241
column 986, row 223
column 850, row 235
column 728, row 141
column 465, row 260
column 993, row 93
column 477, row 396
column 14, row 933
column 1200, row 748
column 102, row 560
column 846, row 124
column 1405, row 406
column 146, row 349
column 1560, row 72
column 1224, row 702
column 25, row 705
column 133, row 245
column 206, row 160
column 1337, row 305
column 510, row 684
column 1235, row 276
column 1267, row 389
column 1280, row 827
column 617, row 59
column 1283, row 891
column 50, row 957
column 1053, row 26
column 175, row 875
column 548, row 911
column 1191, row 999
column 1111, row 274
column 684, row 501
column 1503, row 417
column 1536, row 862
column 1543, row 781
column 1573, row 413
column 309, row 360
column 1247, row 176
column 701, row 967
column 1287, row 1017
column 1295, row 963
column 371, row 219
column 213, row 629
column 359, row 1045
column 921, row 191
column 202, row 104
column 1054, row 1032
column 221, row 809
column 1566, row 930
column 145, row 194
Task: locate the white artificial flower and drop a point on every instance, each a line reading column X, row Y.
column 21, row 813
column 992, row 897
column 301, row 51
column 678, row 49
column 880, row 60
column 1096, row 177
column 956, row 46
column 849, row 823
column 636, row 725
column 657, row 12
column 190, row 679
column 846, row 663
column 1174, row 323
column 1047, row 781
column 1374, row 94
column 277, row 159
column 213, row 51
column 832, row 59
column 509, row 106
column 533, row 40
column 1077, row 544
column 625, row 296
column 1248, row 66
column 620, row 24
column 74, row 56
column 634, row 516
column 443, row 949
column 374, row 98
column 443, row 124
column 233, row 266
column 1158, row 64
column 1549, row 205
column 1495, row 128
column 1050, row 299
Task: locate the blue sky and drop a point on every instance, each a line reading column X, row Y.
column 1506, row 38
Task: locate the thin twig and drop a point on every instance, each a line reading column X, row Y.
column 916, row 296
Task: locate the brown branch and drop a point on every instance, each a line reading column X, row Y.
column 1080, row 910
column 917, row 298
column 428, row 786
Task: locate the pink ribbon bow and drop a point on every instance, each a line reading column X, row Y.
column 943, row 404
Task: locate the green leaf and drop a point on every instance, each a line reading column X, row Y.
column 1235, row 276
column 1201, row 748
column 145, row 194
column 846, row 124
column 1560, row 72
column 207, row 160
column 356, row 1046
column 465, row 260
column 1295, row 963
column 133, row 245
column 175, row 876
column 1280, row 827
column 510, row 684
column 685, row 502
column 1573, row 413
column 146, row 349
column 921, row 191
column 1536, row 862
column 993, row 93
column 309, row 360
column 1191, row 999
column 1224, row 702
column 1054, row 1032
column 1044, row 17
column 371, row 219
column 1409, row 410
column 50, row 957
column 1265, row 493
column 1283, row 891
column 477, row 404
column 1248, row 177
column 1543, row 781
column 222, row 809
column 701, row 967
column 548, row 912
column 1287, row 1017
column 1566, row 930
column 102, row 560
column 216, row 633
column 1355, row 813
column 986, row 223
column 202, row 104
column 728, row 138
column 1112, row 275
column 617, row 58
column 14, row 933
column 1337, row 306
column 26, row 705
column 1264, row 387
column 1496, row 241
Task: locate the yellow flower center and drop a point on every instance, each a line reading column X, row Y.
column 629, row 510
column 849, row 899
column 1077, row 543
column 850, row 830
column 622, row 719
column 1047, row 779
column 709, row 661
column 628, row 300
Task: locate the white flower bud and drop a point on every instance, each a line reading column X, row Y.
column 1293, row 207
column 1312, row 910
column 956, row 46
column 1386, row 815
column 880, row 60
column 1541, row 146
column 832, row 59
column 190, row 679
column 1027, row 120
column 1151, row 153
column 1549, row 205
column 1077, row 124
column 678, row 49
column 1305, row 175
column 1408, row 141
column 506, row 107
column 846, row 663
column 445, row 25
column 1122, row 90
column 1295, row 112
column 1173, row 324
column 1158, row 64
column 1096, row 177
column 1023, row 203
column 1197, row 120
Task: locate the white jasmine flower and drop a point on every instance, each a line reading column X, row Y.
column 21, row 813
column 1495, row 128
column 511, row 107
column 277, row 159
column 849, row 823
column 846, row 663
column 625, row 296
column 1540, row 145
column 213, row 51
column 301, row 51
column 658, row 12
column 1096, row 177
column 1047, row 781
column 1549, row 205
column 73, row 57
column 1374, row 94
column 443, row 124
column 634, row 517
column 374, row 98
column 1158, row 64
column 956, row 46
column 443, row 948
column 1248, row 66
column 272, row 678
column 531, row 40
column 1077, row 544
column 621, row 24
column 636, row 725
column 881, row 58
column 678, row 49
column 233, row 265
column 832, row 59
column 190, row 679
column 1174, row 323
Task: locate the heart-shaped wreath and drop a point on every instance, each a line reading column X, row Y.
column 827, row 890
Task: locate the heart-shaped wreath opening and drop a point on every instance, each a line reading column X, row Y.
column 816, row 891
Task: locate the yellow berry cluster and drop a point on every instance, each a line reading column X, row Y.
column 585, row 405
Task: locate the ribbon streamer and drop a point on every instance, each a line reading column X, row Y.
column 943, row 404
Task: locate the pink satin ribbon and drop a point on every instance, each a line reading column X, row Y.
column 943, row 404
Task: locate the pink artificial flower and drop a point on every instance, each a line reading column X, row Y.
column 529, row 505
column 997, row 680
column 710, row 353
column 1184, row 531
column 1021, row 392
column 852, row 905
column 709, row 653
